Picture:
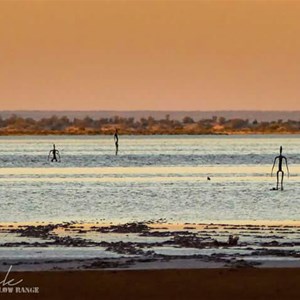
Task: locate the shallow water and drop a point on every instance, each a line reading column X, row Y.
column 153, row 177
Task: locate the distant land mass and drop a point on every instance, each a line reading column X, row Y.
column 251, row 115
column 148, row 122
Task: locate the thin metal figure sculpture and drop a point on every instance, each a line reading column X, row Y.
column 116, row 139
column 54, row 153
column 280, row 158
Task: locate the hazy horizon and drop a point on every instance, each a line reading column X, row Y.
column 158, row 114
column 150, row 110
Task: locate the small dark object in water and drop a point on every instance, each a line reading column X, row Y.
column 208, row 178
column 233, row 240
column 116, row 139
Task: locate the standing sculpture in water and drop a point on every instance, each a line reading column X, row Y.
column 116, row 139
column 280, row 158
column 54, row 153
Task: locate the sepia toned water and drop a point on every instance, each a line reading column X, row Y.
column 152, row 178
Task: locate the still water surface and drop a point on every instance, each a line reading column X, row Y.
column 153, row 177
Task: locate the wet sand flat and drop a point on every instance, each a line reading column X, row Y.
column 146, row 245
column 163, row 284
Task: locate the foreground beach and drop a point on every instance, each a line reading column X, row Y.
column 163, row 284
column 151, row 260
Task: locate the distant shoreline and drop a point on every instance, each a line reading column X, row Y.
column 63, row 125
column 60, row 133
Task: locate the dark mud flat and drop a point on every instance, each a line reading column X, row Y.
column 147, row 245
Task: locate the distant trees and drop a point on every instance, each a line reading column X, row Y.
column 188, row 120
column 222, row 120
column 238, row 124
column 215, row 125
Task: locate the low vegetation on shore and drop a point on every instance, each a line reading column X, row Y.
column 16, row 125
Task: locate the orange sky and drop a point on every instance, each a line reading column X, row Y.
column 160, row 55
